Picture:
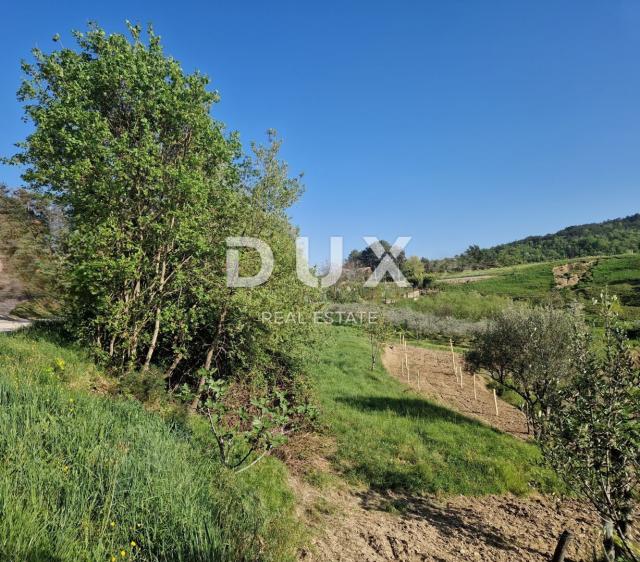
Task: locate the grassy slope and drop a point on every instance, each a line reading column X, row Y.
column 622, row 275
column 391, row 438
column 83, row 475
column 535, row 282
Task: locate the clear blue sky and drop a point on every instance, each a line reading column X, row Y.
column 451, row 122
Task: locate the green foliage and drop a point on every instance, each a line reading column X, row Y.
column 241, row 431
column 368, row 258
column 592, row 437
column 82, row 475
column 413, row 270
column 378, row 331
column 618, row 236
column 528, row 351
column 390, row 438
column 152, row 186
column 27, row 264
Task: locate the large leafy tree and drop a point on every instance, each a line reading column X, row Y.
column 151, row 186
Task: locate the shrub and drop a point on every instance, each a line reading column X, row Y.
column 527, row 350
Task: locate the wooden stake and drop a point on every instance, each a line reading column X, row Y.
column 418, row 379
column 475, row 393
column 407, row 362
column 453, row 358
column 495, row 401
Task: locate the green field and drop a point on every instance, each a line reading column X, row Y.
column 621, row 274
column 89, row 477
column 535, row 283
column 390, row 438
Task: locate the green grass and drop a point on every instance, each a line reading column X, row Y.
column 621, row 274
column 470, row 304
column 531, row 282
column 391, row 438
column 83, row 475
column 534, row 283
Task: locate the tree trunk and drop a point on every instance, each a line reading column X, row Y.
column 608, row 543
column 154, row 341
column 208, row 360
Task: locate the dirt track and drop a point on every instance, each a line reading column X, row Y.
column 10, row 323
column 367, row 526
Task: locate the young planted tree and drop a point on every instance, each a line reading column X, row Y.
column 378, row 330
column 592, row 438
column 527, row 350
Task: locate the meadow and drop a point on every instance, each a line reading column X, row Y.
column 391, row 438
column 534, row 283
column 86, row 476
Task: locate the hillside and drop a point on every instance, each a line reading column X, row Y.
column 612, row 237
column 620, row 275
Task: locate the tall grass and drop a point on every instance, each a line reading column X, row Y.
column 86, row 477
column 391, row 438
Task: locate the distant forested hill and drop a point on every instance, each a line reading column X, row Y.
column 617, row 236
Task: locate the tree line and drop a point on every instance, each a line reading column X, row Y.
column 617, row 236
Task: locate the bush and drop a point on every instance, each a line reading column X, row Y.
column 528, row 351
column 592, row 437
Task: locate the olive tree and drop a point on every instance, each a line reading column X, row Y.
column 592, row 438
column 529, row 351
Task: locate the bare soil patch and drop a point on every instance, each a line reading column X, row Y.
column 570, row 274
column 431, row 373
column 363, row 525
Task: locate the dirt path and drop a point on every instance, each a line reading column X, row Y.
column 10, row 323
column 360, row 525
column 431, row 373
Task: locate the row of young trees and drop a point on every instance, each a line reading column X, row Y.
column 581, row 396
column 150, row 186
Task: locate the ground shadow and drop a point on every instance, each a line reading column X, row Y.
column 413, row 408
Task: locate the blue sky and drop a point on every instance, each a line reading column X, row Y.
column 452, row 122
